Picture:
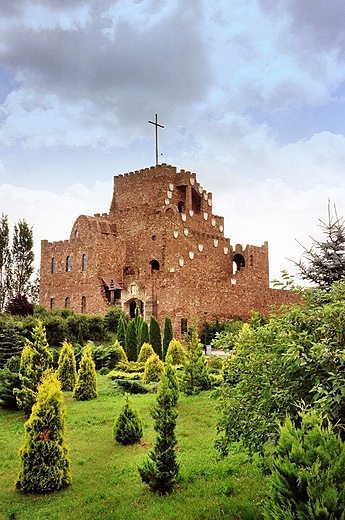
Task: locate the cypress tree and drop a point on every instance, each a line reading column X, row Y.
column 121, row 333
column 167, row 336
column 131, row 341
column 45, row 465
column 35, row 361
column 161, row 468
column 172, row 379
column 128, row 427
column 144, row 333
column 155, row 336
column 66, row 372
column 86, row 386
column 196, row 376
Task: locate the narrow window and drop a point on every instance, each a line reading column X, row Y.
column 53, row 265
column 183, row 325
column 83, row 263
column 52, row 303
column 154, row 265
column 83, row 304
column 67, row 303
column 180, row 206
column 68, row 264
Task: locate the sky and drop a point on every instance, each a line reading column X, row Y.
column 250, row 92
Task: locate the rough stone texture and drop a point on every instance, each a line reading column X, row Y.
column 161, row 249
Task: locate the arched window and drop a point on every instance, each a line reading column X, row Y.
column 52, row 303
column 53, row 265
column 83, row 304
column 83, row 262
column 68, row 263
column 154, row 265
column 239, row 261
column 67, row 303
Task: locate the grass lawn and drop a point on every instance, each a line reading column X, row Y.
column 106, row 483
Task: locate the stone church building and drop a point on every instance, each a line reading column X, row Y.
column 161, row 250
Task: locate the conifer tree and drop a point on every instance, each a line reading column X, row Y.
column 308, row 477
column 172, row 379
column 154, row 369
column 10, row 344
column 131, row 341
column 128, row 427
column 145, row 352
column 161, row 468
column 35, row 361
column 121, row 333
column 86, row 387
column 66, row 372
column 144, row 333
column 155, row 336
column 167, row 336
column 196, row 376
column 45, row 465
column 177, row 352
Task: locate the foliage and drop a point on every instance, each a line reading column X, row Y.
column 86, row 386
column 35, row 361
column 122, row 374
column 210, row 330
column 4, row 259
column 144, row 333
column 226, row 339
column 196, row 377
column 56, row 328
column 44, row 454
column 155, row 336
column 121, row 333
column 256, row 320
column 10, row 344
column 173, row 384
column 298, row 356
column 133, row 386
column 9, row 380
column 161, row 468
column 167, row 335
column 128, row 428
column 19, row 305
column 324, row 262
column 66, row 372
column 22, row 257
column 131, row 341
column 177, row 352
column 154, row 369
column 145, row 352
column 112, row 317
column 308, row 479
column 96, row 328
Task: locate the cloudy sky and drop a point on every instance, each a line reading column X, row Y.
column 250, row 92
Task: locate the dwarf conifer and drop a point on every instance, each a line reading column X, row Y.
column 45, row 465
column 161, row 468
column 66, row 372
column 177, row 352
column 86, row 386
column 145, row 352
column 154, row 368
column 128, row 427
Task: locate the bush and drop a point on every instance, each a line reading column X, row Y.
column 128, row 427
column 10, row 344
column 121, row 374
column 96, row 328
column 56, row 329
column 45, row 465
column 132, row 386
column 67, row 373
column 145, row 352
column 154, row 369
column 112, row 317
column 177, row 353
column 9, row 380
column 19, row 305
column 104, row 371
column 131, row 366
column 308, row 479
column 196, row 377
column 86, row 386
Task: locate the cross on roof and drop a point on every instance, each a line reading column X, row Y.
column 155, row 122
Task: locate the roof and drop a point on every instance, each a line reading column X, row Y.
column 111, row 283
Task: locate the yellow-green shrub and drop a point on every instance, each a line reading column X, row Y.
column 177, row 353
column 154, row 369
column 145, row 352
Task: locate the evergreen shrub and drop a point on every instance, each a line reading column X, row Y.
column 128, row 427
column 45, row 465
column 145, row 352
column 154, row 369
column 155, row 337
column 177, row 352
column 66, row 372
column 86, row 387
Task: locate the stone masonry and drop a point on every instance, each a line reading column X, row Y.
column 159, row 249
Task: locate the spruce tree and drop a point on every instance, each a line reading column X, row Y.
column 172, row 379
column 66, row 372
column 196, row 376
column 161, row 468
column 45, row 465
column 86, row 386
column 35, row 361
column 167, row 336
column 308, row 477
column 128, row 427
column 10, row 344
column 131, row 341
column 155, row 336
column 121, row 333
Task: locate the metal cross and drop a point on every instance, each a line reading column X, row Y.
column 156, row 128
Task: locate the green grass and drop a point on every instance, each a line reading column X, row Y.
column 106, row 483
